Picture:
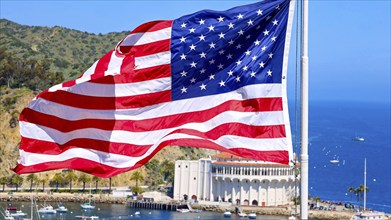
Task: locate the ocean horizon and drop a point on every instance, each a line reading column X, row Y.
column 333, row 125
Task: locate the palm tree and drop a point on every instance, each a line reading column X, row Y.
column 84, row 178
column 137, row 177
column 58, row 178
column 43, row 180
column 71, row 176
column 17, row 180
column 3, row 181
column 96, row 179
column 32, row 178
column 351, row 190
column 361, row 190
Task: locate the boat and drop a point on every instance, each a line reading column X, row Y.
column 11, row 208
column 137, row 213
column 7, row 215
column 18, row 214
column 335, row 160
column 368, row 215
column 86, row 217
column 252, row 215
column 242, row 214
column 47, row 209
column 61, row 208
column 183, row 210
column 87, row 205
column 227, row 213
column 358, row 138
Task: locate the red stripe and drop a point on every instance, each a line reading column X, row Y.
column 153, row 26
column 129, row 75
column 102, row 65
column 170, row 121
column 236, row 129
column 45, row 147
column 147, row 49
column 102, row 170
column 107, row 103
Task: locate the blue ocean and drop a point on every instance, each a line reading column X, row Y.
column 332, row 129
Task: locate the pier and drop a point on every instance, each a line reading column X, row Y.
column 156, row 205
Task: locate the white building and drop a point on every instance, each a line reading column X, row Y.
column 228, row 178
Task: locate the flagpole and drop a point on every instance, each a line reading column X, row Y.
column 365, row 184
column 304, row 116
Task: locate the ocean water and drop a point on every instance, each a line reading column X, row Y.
column 332, row 127
column 118, row 211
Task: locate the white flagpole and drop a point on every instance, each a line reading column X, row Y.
column 304, row 116
column 365, row 184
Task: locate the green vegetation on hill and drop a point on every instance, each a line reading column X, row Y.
column 66, row 51
column 33, row 59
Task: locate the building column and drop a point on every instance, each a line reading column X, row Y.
column 210, row 187
column 259, row 193
column 218, row 189
column 233, row 192
column 241, row 192
column 249, row 193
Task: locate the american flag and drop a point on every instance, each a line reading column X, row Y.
column 211, row 79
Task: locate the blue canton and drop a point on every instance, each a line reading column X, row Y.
column 217, row 52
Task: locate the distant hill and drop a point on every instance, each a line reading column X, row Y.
column 33, row 58
column 69, row 51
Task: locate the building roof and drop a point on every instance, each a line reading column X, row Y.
column 244, row 164
column 229, row 159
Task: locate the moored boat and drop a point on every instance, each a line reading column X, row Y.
column 368, row 215
column 47, row 209
column 227, row 213
column 252, row 215
column 87, row 205
column 61, row 208
column 183, row 210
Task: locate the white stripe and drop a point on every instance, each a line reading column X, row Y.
column 156, row 59
column 114, row 66
column 147, row 37
column 148, row 137
column 164, row 109
column 121, row 90
column 122, row 161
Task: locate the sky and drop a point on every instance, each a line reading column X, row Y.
column 349, row 41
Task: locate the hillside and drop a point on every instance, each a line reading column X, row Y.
column 33, row 58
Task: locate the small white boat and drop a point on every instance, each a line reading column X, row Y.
column 47, row 210
column 7, row 215
column 87, row 205
column 61, row 208
column 86, row 217
column 137, row 213
column 227, row 213
column 334, row 161
column 368, row 215
column 252, row 215
column 18, row 213
column 183, row 210
column 358, row 138
column 242, row 214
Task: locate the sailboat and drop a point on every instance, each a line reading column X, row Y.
column 88, row 205
column 366, row 214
